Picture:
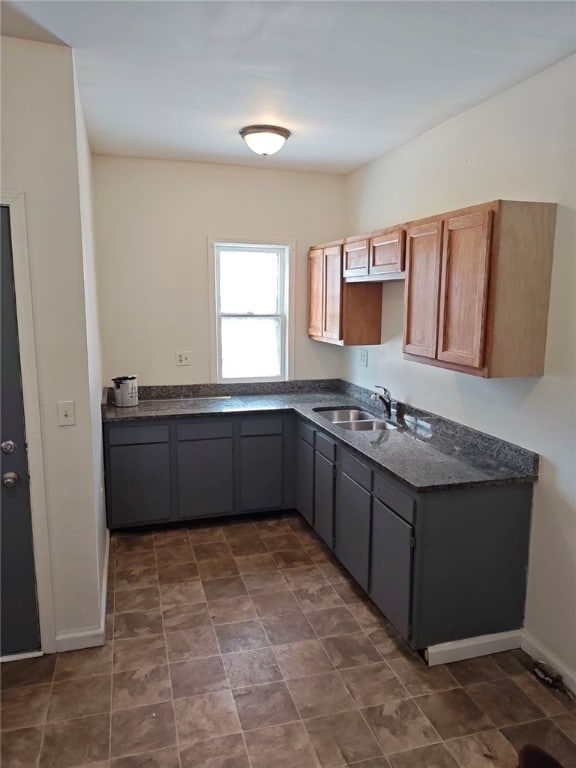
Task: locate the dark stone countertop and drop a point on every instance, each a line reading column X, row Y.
column 425, row 451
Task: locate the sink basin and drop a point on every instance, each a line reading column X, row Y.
column 365, row 425
column 355, row 419
column 347, row 414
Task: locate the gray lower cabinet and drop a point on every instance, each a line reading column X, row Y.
column 470, row 562
column 196, row 468
column 441, row 565
column 205, row 468
column 324, row 481
column 305, row 471
column 261, row 473
column 324, row 487
column 391, row 571
column 261, row 462
column 352, row 517
column 138, row 476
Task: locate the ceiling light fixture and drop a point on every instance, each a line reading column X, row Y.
column 265, row 139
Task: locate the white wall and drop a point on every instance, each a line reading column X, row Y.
column 153, row 220
column 39, row 158
column 94, row 352
column 518, row 146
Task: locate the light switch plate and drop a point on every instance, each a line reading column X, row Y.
column 66, row 413
column 364, row 358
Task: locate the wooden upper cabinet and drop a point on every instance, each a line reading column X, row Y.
column 478, row 303
column 315, row 292
column 341, row 313
column 423, row 253
column 378, row 256
column 332, row 316
column 355, row 258
column 464, row 288
column 387, row 252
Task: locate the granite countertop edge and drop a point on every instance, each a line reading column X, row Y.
column 430, row 454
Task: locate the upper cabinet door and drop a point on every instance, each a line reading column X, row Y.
column 464, row 289
column 332, row 325
column 315, row 292
column 423, row 253
column 387, row 253
column 355, row 258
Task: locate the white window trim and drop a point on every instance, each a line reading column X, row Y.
column 288, row 325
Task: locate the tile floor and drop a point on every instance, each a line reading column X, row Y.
column 246, row 646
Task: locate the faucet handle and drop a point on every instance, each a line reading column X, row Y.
column 385, row 392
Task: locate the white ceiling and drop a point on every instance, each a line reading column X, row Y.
column 350, row 79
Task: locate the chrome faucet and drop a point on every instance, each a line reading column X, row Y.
column 385, row 399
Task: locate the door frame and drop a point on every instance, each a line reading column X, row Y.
column 16, row 203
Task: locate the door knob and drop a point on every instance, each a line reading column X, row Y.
column 8, row 446
column 10, row 479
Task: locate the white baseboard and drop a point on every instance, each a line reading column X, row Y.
column 104, row 592
column 77, row 639
column 540, row 653
column 20, row 656
column 470, row 647
column 74, row 639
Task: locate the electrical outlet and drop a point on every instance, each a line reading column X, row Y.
column 364, row 358
column 183, row 358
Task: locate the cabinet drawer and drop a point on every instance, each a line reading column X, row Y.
column 394, row 498
column 387, row 252
column 356, row 470
column 204, row 429
column 262, row 425
column 325, row 446
column 306, row 432
column 135, row 435
column 355, row 258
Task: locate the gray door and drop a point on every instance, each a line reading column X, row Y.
column 305, row 480
column 391, row 577
column 261, row 463
column 205, row 477
column 19, row 626
column 324, row 498
column 352, row 527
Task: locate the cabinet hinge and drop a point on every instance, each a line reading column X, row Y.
column 412, row 542
column 334, row 470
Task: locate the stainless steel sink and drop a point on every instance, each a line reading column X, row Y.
column 355, row 419
column 365, row 425
column 347, row 414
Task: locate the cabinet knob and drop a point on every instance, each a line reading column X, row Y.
column 8, row 446
column 10, row 479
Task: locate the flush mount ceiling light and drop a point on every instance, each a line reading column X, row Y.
column 265, row 139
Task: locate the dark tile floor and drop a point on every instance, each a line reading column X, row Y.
column 247, row 646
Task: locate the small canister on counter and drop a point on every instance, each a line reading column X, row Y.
column 125, row 391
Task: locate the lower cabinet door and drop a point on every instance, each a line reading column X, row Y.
column 305, row 495
column 139, row 484
column 352, row 527
column 324, row 498
column 261, row 461
column 391, row 566
column 205, row 478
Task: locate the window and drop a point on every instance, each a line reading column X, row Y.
column 251, row 311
